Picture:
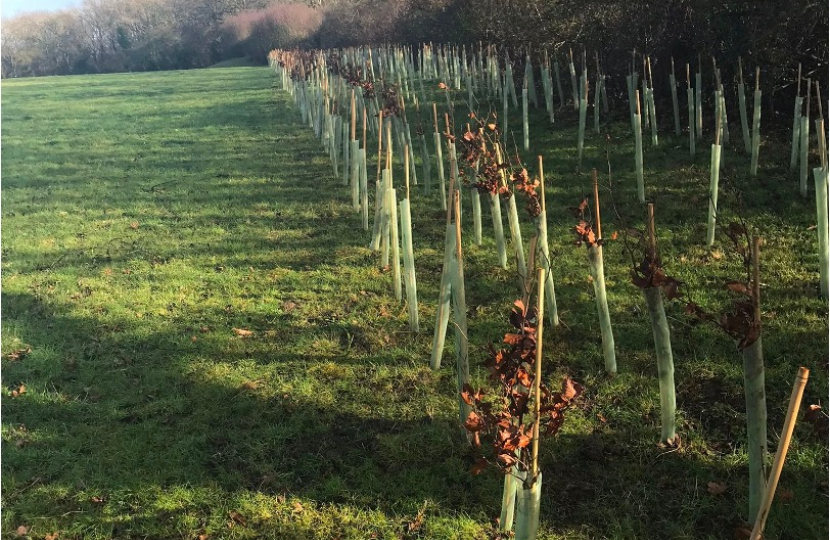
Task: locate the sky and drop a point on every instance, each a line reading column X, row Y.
column 10, row 8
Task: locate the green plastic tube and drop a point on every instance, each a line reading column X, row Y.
column 528, row 504
column 796, row 133
column 364, row 190
column 675, row 104
column 354, row 146
column 498, row 229
column 699, row 105
column 439, row 160
column 820, row 177
column 409, row 266
column 714, row 175
column 690, row 100
column 744, row 119
column 665, row 361
column 598, row 274
column 804, row 147
column 442, row 314
column 756, row 423
column 546, row 263
column 525, row 128
column 653, row 114
column 516, row 235
column 580, row 143
column 559, row 91
column 756, row 132
column 476, row 216
column 394, row 237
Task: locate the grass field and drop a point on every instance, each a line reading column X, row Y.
column 147, row 216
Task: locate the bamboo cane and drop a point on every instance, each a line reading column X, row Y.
column 537, row 386
column 781, row 452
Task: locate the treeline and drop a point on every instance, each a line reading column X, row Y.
column 123, row 35
column 106, row 36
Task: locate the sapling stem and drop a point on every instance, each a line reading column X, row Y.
column 781, row 452
column 598, row 274
column 756, row 402
column 662, row 344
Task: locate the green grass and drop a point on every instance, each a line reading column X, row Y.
column 145, row 216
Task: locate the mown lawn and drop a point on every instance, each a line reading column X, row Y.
column 147, row 218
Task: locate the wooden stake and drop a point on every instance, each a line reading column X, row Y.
column 596, row 204
column 406, row 168
column 542, row 182
column 756, row 276
column 652, row 237
column 781, row 453
column 354, row 117
column 380, row 143
column 540, row 306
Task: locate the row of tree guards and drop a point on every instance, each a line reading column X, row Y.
column 380, row 87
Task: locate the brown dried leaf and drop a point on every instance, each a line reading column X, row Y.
column 474, row 422
column 479, row 466
column 237, row 518
column 243, row 333
column 19, row 354
column 716, row 488
column 22, row 530
column 739, row 287
column 19, row 391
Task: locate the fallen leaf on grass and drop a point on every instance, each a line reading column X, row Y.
column 19, row 391
column 250, row 385
column 479, row 466
column 97, row 500
column 237, row 518
column 134, row 225
column 241, row 332
column 53, row 536
column 289, row 306
column 786, row 495
column 742, row 532
column 716, row 488
column 19, row 354
column 298, row 508
column 23, row 530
